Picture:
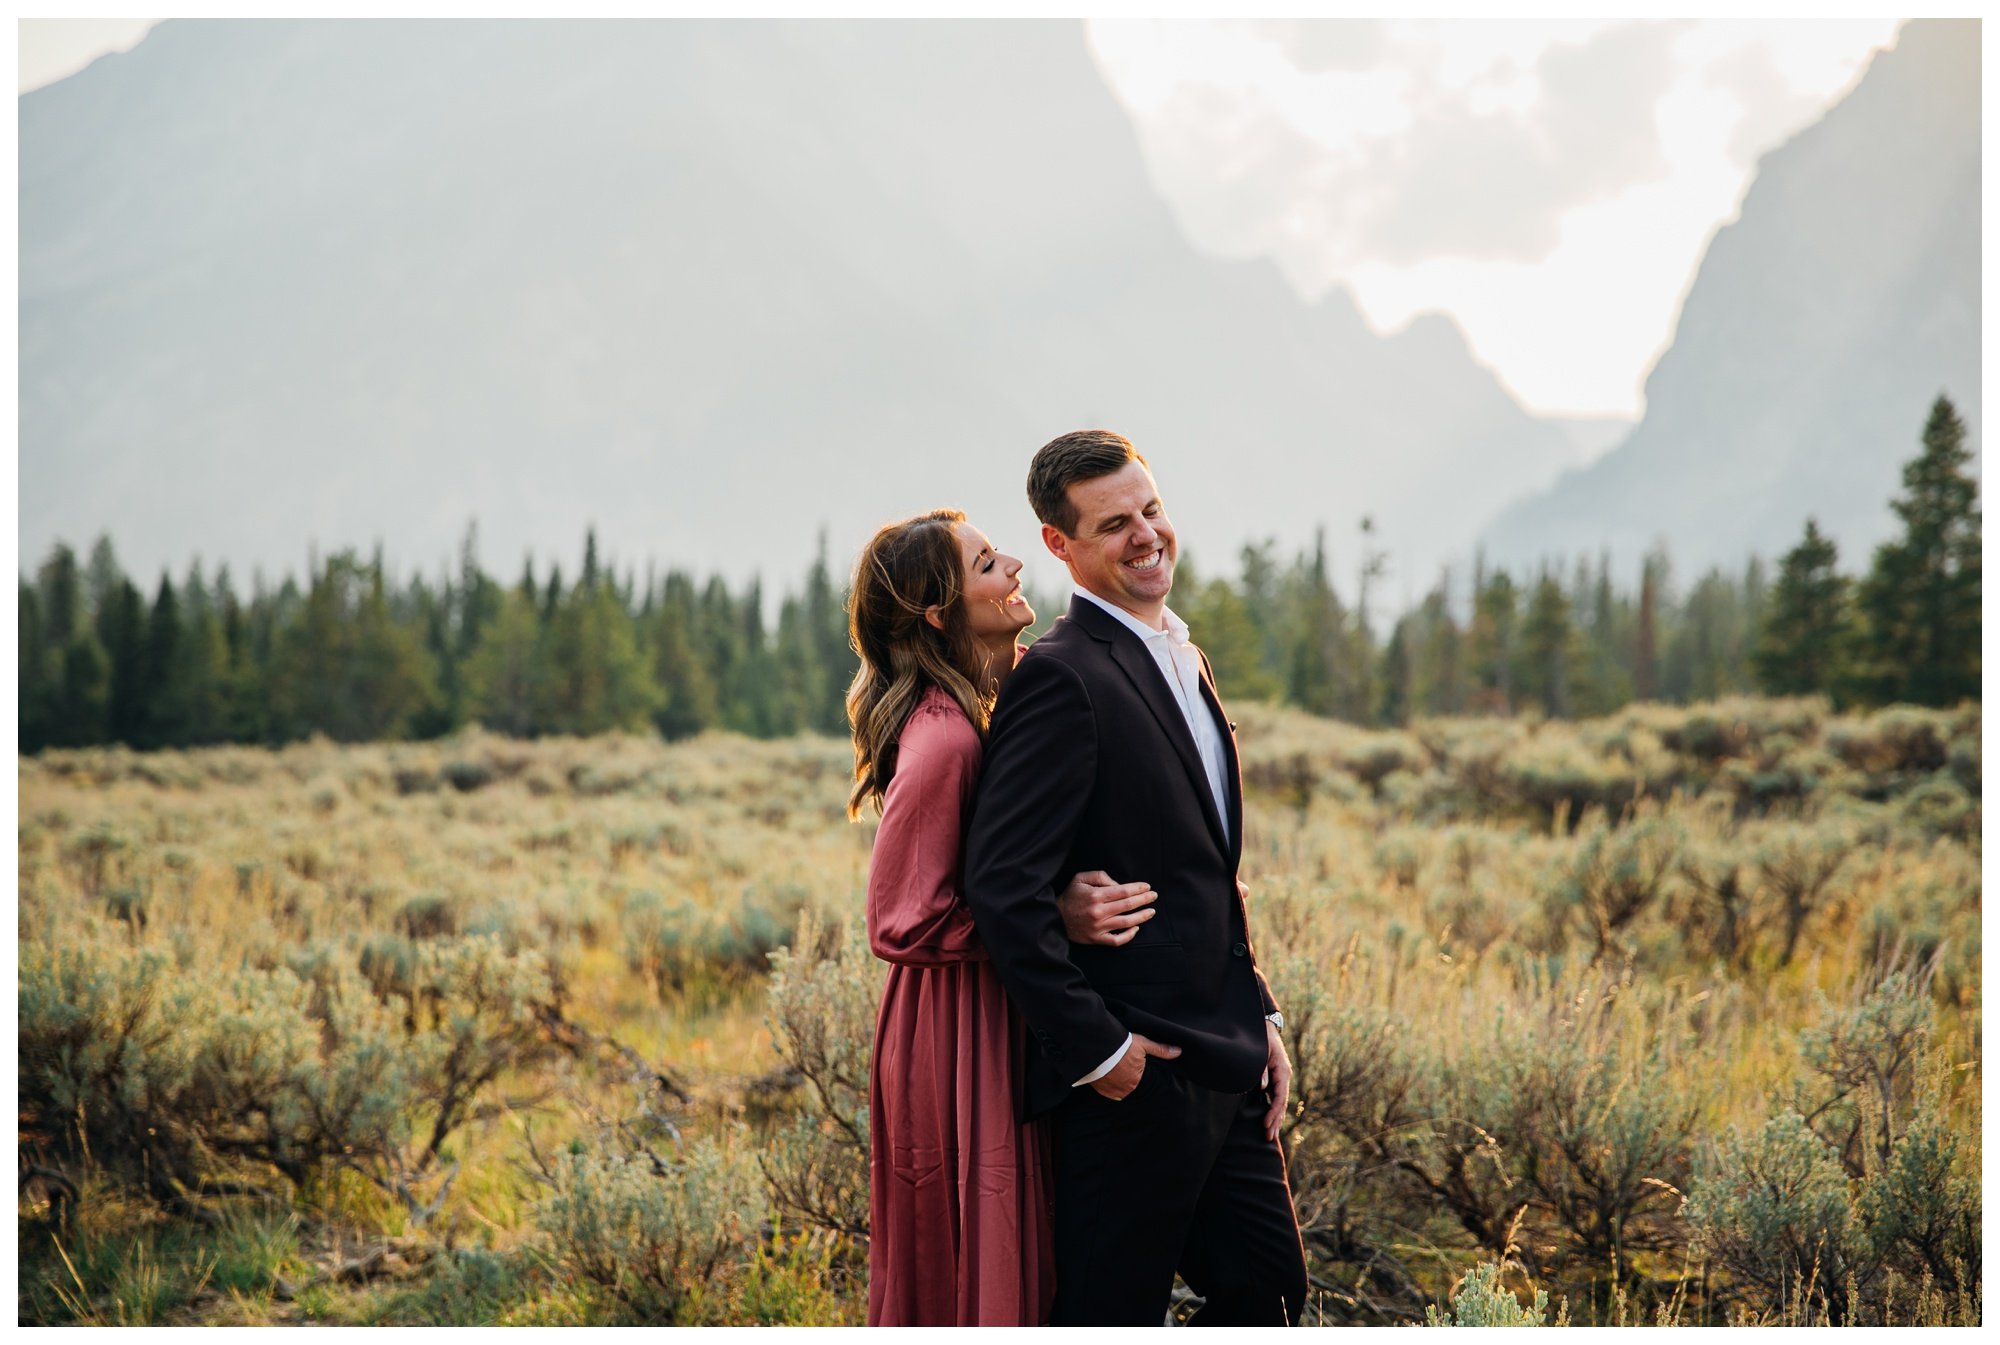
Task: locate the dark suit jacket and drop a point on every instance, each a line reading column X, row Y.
column 1090, row 765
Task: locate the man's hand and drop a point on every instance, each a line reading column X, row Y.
column 1243, row 891
column 1277, row 1078
column 1097, row 910
column 1125, row 1075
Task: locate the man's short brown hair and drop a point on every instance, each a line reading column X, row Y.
column 1080, row 455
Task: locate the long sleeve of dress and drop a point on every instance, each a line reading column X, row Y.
column 916, row 914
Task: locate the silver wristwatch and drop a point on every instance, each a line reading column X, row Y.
column 1276, row 1018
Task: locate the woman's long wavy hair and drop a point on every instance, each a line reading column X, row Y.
column 906, row 568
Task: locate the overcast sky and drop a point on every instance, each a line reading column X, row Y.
column 1549, row 184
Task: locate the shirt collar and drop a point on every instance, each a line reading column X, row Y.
column 1177, row 629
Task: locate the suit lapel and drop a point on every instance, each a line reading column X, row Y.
column 1133, row 659
column 1234, row 782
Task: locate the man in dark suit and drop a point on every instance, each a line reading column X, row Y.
column 1162, row 1060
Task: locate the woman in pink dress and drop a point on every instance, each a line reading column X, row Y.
column 958, row 1197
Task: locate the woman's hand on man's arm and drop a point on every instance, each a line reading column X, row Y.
column 1097, row 910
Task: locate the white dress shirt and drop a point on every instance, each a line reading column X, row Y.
column 1180, row 668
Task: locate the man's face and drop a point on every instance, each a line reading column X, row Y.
column 1123, row 549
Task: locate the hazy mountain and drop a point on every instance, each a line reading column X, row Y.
column 711, row 285
column 1820, row 327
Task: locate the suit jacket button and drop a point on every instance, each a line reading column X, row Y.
column 1241, row 950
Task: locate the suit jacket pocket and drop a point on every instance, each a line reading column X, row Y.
column 1134, row 964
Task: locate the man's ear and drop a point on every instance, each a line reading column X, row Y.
column 1057, row 544
column 935, row 615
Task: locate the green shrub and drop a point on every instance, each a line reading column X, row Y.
column 466, row 776
column 824, row 993
column 1920, row 1211
column 1941, row 806
column 1616, row 875
column 1864, row 1061
column 662, row 940
column 1896, row 740
column 653, row 1233
column 428, row 916
column 1772, row 1210
column 1480, row 1299
column 171, row 1076
column 1797, row 863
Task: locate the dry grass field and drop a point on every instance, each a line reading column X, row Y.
column 1667, row 1017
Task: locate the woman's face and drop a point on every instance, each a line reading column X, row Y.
column 994, row 607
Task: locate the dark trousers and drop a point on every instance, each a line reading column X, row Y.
column 1175, row 1177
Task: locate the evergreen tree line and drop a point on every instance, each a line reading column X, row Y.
column 355, row 657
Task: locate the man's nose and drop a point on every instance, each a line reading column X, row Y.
column 1144, row 533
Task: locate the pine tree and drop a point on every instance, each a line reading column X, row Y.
column 478, row 602
column 688, row 703
column 751, row 697
column 826, row 620
column 1357, row 687
column 1315, row 636
column 1491, row 644
column 81, row 706
column 121, row 628
column 36, row 689
column 60, row 620
column 1546, row 639
column 201, row 662
column 1646, row 639
column 434, row 614
column 553, row 596
column 163, row 722
column 346, row 666
column 1807, row 623
column 1219, row 621
column 245, row 694
column 1439, row 676
column 102, row 576
column 798, row 674
column 597, row 680
column 718, row 629
column 1398, row 674
column 59, row 588
column 1604, row 685
column 1263, row 601
column 502, row 675
column 1705, row 653
column 1919, row 604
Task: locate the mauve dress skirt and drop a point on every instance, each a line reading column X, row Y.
column 959, row 1203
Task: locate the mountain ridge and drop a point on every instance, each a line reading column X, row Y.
column 1819, row 327
column 708, row 285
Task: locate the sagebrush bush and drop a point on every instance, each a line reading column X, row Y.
column 1481, row 1299
column 1772, row 1210
column 1920, row 1211
column 654, row 1234
column 1616, row 875
column 173, row 1076
column 825, row 990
